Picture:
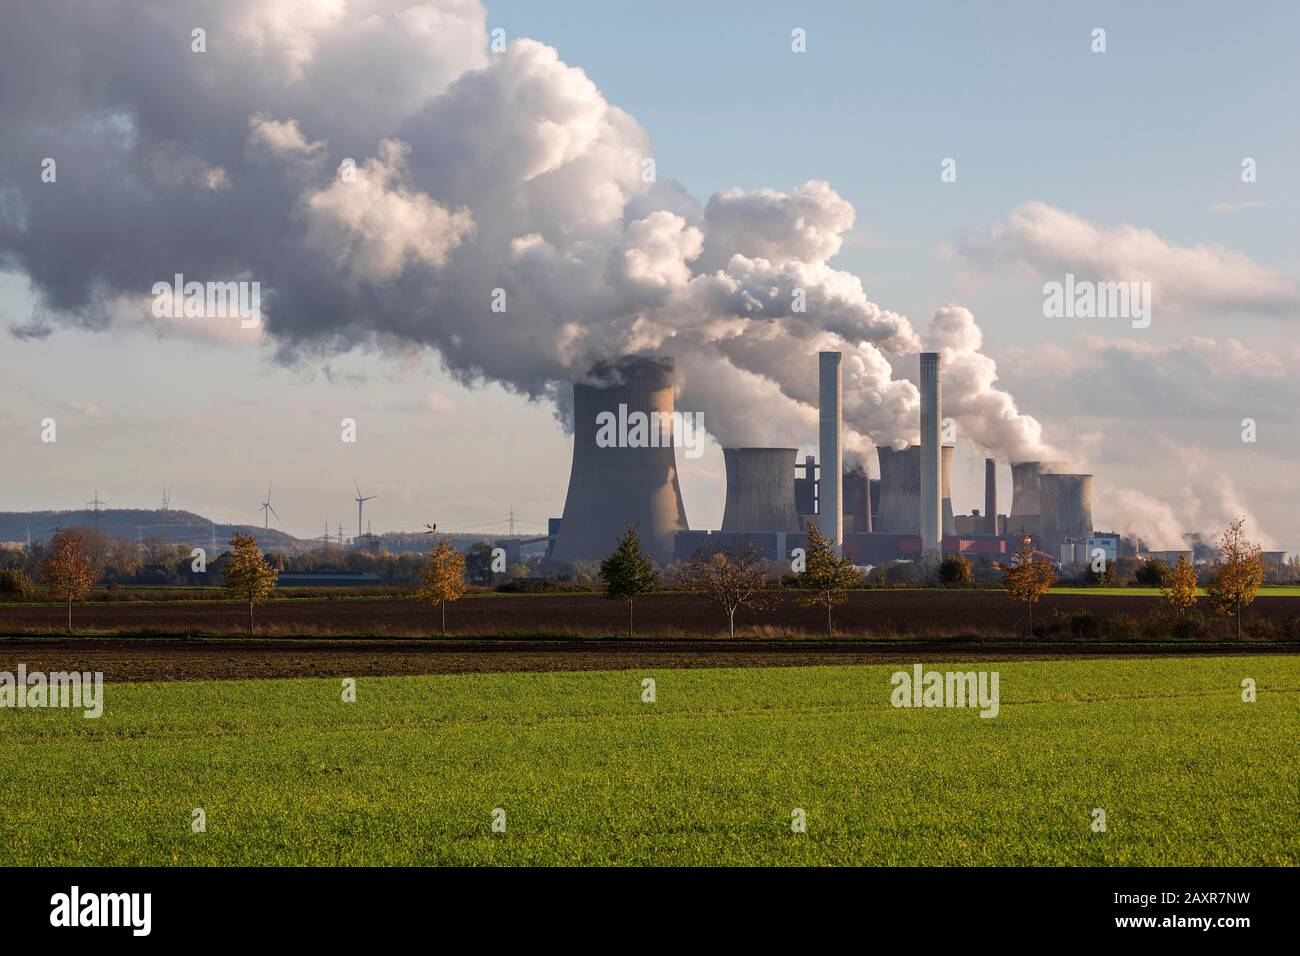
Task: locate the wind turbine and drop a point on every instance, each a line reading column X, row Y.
column 360, row 503
column 267, row 510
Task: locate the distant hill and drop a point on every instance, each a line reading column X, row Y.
column 177, row 527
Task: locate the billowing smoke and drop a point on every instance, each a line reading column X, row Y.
column 391, row 183
column 1206, row 502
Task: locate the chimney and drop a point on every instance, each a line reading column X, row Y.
column 830, row 514
column 931, row 520
column 990, row 496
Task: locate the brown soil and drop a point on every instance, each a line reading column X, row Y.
column 164, row 659
column 875, row 613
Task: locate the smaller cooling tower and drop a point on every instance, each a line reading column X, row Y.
column 760, row 490
column 945, row 486
column 1026, row 479
column 857, row 503
column 900, row 490
column 1066, row 502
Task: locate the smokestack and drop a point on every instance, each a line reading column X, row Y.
column 900, row 490
column 990, row 496
column 760, row 490
column 830, row 402
column 931, row 518
column 617, row 485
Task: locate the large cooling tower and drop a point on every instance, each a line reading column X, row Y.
column 760, row 490
column 830, row 414
column 1066, row 502
column 614, row 486
column 931, row 492
column 900, row 490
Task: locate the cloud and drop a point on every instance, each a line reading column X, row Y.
column 479, row 179
column 1048, row 242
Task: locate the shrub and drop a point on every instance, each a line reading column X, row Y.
column 1154, row 573
column 955, row 569
column 1122, row 627
column 531, row 586
column 1265, row 629
column 15, row 583
column 1084, row 625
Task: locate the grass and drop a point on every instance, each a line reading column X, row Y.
column 1187, row 773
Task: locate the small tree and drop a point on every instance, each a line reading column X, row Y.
column 955, row 569
column 1027, row 576
column 1237, row 574
column 732, row 577
column 67, row 571
column 826, row 577
column 249, row 577
column 628, row 572
column 1180, row 592
column 442, row 578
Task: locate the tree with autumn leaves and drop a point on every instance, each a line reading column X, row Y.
column 1027, row 576
column 1237, row 574
column 67, row 571
column 249, row 577
column 442, row 578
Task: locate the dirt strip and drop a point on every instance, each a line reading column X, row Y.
column 168, row 659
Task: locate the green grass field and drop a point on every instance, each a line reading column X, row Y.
column 710, row 773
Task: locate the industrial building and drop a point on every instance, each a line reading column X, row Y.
column 771, row 496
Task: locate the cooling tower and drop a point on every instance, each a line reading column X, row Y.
column 1066, row 502
column 931, row 491
column 990, row 497
column 616, row 485
column 857, row 501
column 949, row 522
column 830, row 400
column 1025, row 480
column 760, row 490
column 900, row 490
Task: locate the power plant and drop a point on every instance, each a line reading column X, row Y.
column 772, row 495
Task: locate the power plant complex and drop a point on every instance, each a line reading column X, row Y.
column 771, row 497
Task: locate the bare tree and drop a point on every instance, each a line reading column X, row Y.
column 733, row 577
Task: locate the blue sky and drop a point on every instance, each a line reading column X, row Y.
column 1150, row 133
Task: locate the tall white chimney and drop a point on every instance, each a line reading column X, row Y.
column 931, row 451
column 830, row 404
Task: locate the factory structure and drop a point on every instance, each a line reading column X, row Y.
column 905, row 514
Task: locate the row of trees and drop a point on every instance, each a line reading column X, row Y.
column 1231, row 587
column 733, row 578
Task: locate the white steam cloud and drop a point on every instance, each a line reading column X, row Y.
column 474, row 179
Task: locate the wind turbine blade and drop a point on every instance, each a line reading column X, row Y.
column 356, row 486
column 277, row 517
